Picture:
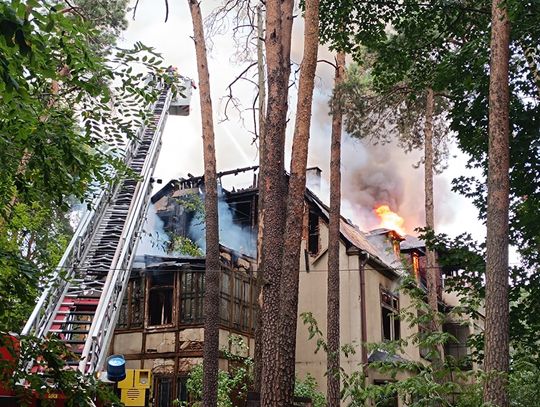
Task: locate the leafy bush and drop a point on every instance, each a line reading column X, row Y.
column 308, row 388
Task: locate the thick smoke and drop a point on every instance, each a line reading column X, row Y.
column 231, row 234
column 372, row 174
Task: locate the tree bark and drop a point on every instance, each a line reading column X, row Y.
column 333, row 328
column 257, row 371
column 496, row 360
column 295, row 206
column 432, row 269
column 212, row 273
column 273, row 187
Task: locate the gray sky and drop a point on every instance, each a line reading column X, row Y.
column 386, row 168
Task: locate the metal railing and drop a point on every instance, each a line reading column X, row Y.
column 102, row 328
column 49, row 302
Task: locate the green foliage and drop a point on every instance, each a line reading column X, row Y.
column 54, row 375
column 308, row 388
column 191, row 203
column 66, row 112
column 183, row 245
column 417, row 383
column 396, row 112
column 232, row 385
column 108, row 18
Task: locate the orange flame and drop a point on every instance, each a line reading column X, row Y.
column 390, row 220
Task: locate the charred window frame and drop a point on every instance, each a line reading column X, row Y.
column 181, row 388
column 192, row 297
column 225, row 297
column 160, row 303
column 237, row 300
column 131, row 314
column 390, row 323
column 241, row 302
column 313, row 233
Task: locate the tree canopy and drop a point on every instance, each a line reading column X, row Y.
column 66, row 112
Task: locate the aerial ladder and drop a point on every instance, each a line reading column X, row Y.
column 80, row 304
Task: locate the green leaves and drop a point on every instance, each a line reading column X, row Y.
column 50, row 356
column 66, row 113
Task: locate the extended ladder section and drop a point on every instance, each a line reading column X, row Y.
column 80, row 305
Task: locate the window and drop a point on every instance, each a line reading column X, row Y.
column 192, row 295
column 160, row 297
column 237, row 300
column 313, row 233
column 132, row 310
column 181, row 388
column 424, row 331
column 225, row 297
column 389, row 399
column 163, row 386
column 241, row 301
column 457, row 349
column 391, row 329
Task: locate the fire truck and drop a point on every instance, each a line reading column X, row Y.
column 81, row 302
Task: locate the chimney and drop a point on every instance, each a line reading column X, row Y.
column 313, row 179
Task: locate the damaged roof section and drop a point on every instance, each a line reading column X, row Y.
column 179, row 205
column 381, row 251
column 238, row 221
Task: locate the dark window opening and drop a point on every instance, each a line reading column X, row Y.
column 181, row 389
column 313, row 233
column 391, row 329
column 160, row 298
column 456, row 347
column 163, row 386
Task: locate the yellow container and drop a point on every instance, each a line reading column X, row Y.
column 133, row 387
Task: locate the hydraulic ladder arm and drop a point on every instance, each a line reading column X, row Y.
column 82, row 300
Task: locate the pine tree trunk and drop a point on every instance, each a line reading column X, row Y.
column 212, row 273
column 496, row 350
column 273, row 187
column 257, row 371
column 432, row 269
column 333, row 328
column 295, row 205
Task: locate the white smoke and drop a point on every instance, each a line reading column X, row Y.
column 231, row 234
column 382, row 171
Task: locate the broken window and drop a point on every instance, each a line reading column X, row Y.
column 160, row 297
column 313, row 233
column 391, row 329
column 192, row 295
column 132, row 310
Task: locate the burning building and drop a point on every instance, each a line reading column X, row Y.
column 160, row 327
